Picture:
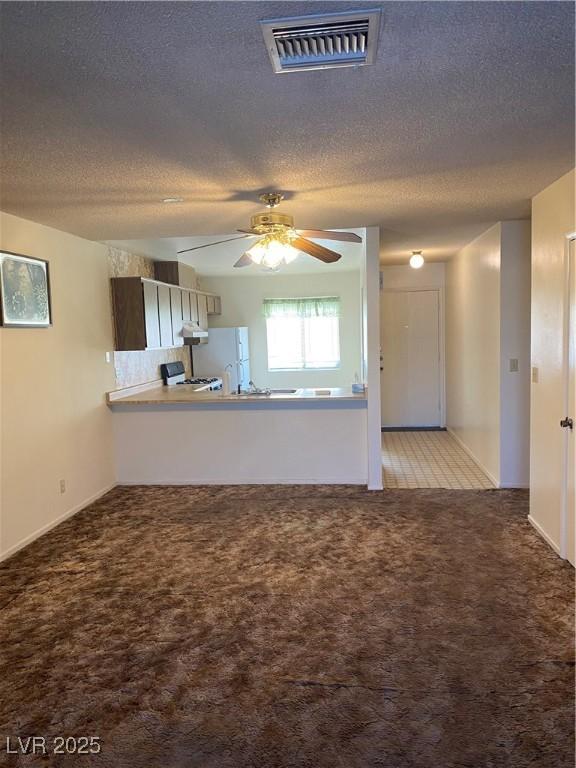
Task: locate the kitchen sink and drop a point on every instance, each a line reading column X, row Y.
column 265, row 393
column 253, row 394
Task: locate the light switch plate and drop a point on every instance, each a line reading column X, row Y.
column 534, row 375
column 513, row 365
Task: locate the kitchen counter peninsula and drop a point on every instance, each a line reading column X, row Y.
column 175, row 435
column 184, row 394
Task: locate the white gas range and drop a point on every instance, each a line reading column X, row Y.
column 174, row 373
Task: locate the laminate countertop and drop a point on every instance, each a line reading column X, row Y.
column 184, row 394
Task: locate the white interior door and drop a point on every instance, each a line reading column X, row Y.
column 570, row 494
column 410, row 359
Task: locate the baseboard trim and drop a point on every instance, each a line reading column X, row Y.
column 49, row 526
column 251, row 481
column 469, row 453
column 412, row 429
column 538, row 528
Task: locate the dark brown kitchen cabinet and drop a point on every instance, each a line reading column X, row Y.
column 193, row 307
column 165, row 313
column 186, row 317
column 149, row 314
column 213, row 305
column 136, row 319
column 202, row 310
column 190, row 307
column 176, row 273
column 177, row 319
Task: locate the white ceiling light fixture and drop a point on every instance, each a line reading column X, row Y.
column 322, row 40
column 169, row 200
column 271, row 252
column 416, row 260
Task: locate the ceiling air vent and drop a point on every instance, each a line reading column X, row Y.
column 322, row 41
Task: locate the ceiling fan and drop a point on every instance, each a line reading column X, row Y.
column 279, row 242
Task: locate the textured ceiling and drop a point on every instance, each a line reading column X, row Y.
column 109, row 107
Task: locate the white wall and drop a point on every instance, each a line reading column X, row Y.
column 55, row 424
column 242, row 299
column 553, row 219
column 252, row 443
column 473, row 349
column 487, row 325
column 515, row 345
column 404, row 278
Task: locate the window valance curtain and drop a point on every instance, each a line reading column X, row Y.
column 320, row 306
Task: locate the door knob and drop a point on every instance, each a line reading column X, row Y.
column 567, row 422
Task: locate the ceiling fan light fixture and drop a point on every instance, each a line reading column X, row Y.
column 271, row 199
column 416, row 260
column 290, row 254
column 272, row 252
column 256, row 253
column 279, row 242
column 273, row 256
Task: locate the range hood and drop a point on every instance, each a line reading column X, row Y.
column 193, row 334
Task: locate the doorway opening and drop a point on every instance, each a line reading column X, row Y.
column 417, row 451
column 428, row 459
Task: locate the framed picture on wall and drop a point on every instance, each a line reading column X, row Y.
column 24, row 291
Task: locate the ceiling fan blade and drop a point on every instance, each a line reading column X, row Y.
column 244, row 261
column 327, row 234
column 218, row 242
column 313, row 249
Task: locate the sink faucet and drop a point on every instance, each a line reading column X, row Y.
column 254, row 390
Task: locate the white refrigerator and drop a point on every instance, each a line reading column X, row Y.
column 226, row 346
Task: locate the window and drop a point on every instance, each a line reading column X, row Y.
column 303, row 333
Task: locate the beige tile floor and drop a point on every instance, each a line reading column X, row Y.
column 428, row 460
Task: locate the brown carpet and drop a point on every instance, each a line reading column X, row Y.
column 256, row 627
